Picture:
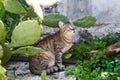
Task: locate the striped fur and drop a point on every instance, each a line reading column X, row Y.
column 54, row 46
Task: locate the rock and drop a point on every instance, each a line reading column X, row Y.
column 17, row 68
column 21, row 72
column 49, row 30
column 103, row 29
column 83, row 34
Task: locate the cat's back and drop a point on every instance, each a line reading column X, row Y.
column 50, row 42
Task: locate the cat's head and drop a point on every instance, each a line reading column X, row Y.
column 68, row 28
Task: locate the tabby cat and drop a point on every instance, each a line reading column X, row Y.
column 54, row 46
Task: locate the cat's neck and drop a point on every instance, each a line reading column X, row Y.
column 66, row 39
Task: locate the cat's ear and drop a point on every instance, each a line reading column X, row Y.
column 61, row 24
column 70, row 20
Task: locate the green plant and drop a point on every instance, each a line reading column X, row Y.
column 80, row 50
column 53, row 19
column 2, row 73
column 16, row 33
column 2, row 11
column 11, row 78
column 19, row 29
column 14, row 6
column 19, row 40
column 43, row 75
column 85, row 21
column 100, row 66
column 2, row 70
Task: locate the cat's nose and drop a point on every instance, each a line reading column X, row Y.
column 74, row 31
column 74, row 28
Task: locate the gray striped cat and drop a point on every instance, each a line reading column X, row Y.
column 54, row 46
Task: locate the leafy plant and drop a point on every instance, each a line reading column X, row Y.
column 80, row 51
column 100, row 66
column 11, row 77
column 43, row 75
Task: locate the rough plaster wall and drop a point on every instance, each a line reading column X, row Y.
column 62, row 7
column 71, row 8
column 106, row 11
column 77, row 8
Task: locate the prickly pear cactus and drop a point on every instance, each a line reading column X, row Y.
column 52, row 19
column 28, row 50
column 2, row 32
column 2, row 73
column 13, row 6
column 1, row 51
column 2, row 10
column 2, row 70
column 85, row 21
column 26, row 33
column 1, row 0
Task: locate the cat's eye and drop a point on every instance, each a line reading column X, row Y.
column 71, row 28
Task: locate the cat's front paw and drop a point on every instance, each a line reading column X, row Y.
column 52, row 69
column 61, row 67
column 55, row 68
